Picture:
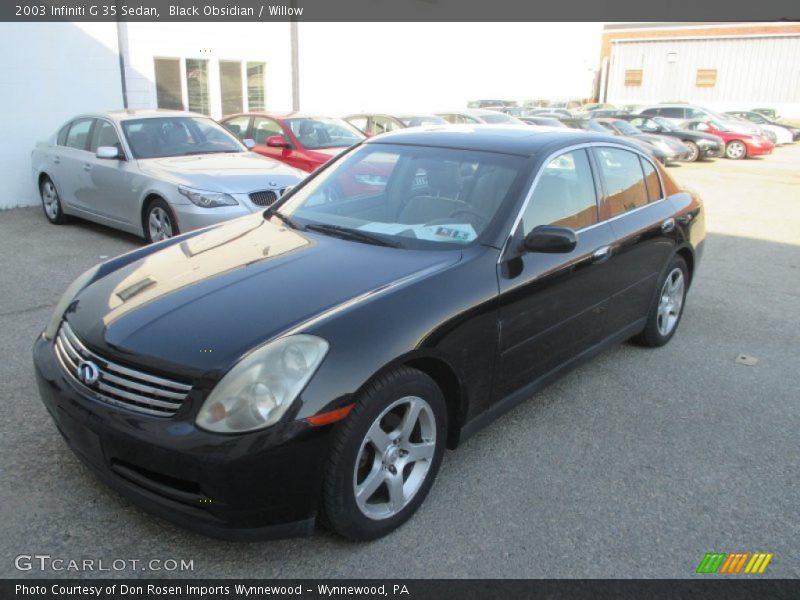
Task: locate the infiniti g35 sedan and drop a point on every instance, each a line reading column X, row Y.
column 313, row 361
column 153, row 173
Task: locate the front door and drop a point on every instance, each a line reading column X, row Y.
column 553, row 306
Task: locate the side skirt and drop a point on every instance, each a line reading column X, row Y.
column 501, row 407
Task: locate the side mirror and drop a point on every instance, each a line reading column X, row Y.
column 277, row 141
column 249, row 143
column 107, row 152
column 551, row 240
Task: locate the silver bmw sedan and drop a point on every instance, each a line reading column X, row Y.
column 153, row 173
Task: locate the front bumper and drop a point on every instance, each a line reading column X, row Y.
column 259, row 485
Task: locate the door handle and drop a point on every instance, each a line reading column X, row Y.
column 87, row 167
column 668, row 225
column 601, row 255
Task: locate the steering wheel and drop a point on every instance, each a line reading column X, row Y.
column 481, row 220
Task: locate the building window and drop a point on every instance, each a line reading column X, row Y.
column 168, row 83
column 706, row 78
column 256, row 86
column 633, row 77
column 197, row 85
column 230, row 81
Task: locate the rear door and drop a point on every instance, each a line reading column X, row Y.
column 645, row 232
column 553, row 306
column 73, row 174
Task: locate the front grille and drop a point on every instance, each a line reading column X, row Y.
column 265, row 197
column 118, row 385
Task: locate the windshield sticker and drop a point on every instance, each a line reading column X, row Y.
column 453, row 232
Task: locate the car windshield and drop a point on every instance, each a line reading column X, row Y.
column 321, row 132
column 626, row 128
column 495, row 118
column 665, row 123
column 158, row 137
column 408, row 196
column 419, row 121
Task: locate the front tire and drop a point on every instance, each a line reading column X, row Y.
column 694, row 151
column 385, row 455
column 159, row 222
column 51, row 202
column 736, row 150
column 667, row 309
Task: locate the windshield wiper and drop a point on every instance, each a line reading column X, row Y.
column 351, row 234
column 272, row 212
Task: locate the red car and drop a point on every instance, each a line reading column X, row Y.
column 302, row 141
column 737, row 145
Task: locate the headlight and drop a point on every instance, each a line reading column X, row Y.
column 258, row 391
column 69, row 295
column 663, row 146
column 207, row 199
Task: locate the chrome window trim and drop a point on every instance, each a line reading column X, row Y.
column 564, row 150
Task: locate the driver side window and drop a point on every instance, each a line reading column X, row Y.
column 565, row 194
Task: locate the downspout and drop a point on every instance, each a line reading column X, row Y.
column 121, row 54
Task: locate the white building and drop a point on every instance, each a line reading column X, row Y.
column 50, row 72
column 722, row 66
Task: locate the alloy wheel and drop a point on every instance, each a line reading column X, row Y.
column 395, row 458
column 50, row 200
column 694, row 152
column 160, row 224
column 736, row 150
column 670, row 302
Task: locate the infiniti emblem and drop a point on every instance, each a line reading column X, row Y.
column 88, row 372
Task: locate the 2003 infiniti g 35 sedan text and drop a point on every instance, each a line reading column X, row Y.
column 316, row 359
column 153, row 173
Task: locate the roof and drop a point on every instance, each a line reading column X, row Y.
column 521, row 140
column 147, row 112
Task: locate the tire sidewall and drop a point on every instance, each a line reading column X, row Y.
column 346, row 517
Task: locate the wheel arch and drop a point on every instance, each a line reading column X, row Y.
column 687, row 254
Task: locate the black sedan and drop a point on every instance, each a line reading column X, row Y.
column 700, row 144
column 315, row 360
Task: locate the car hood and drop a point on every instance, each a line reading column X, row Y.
column 240, row 172
column 196, row 306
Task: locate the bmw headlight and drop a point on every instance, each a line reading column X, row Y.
column 258, row 391
column 69, row 295
column 207, row 199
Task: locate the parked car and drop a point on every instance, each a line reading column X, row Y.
column 604, row 112
column 770, row 113
column 373, row 124
column 784, row 134
column 737, row 145
column 153, row 173
column 700, row 144
column 303, row 141
column 479, row 115
column 542, row 121
column 679, row 113
column 351, row 339
column 490, row 103
column 664, row 148
column 559, row 113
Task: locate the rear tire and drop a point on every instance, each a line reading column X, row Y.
column 159, row 222
column 695, row 151
column 385, row 455
column 51, row 202
column 736, row 150
column 667, row 310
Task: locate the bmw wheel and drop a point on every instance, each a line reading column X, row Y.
column 385, row 455
column 159, row 222
column 735, row 150
column 51, row 202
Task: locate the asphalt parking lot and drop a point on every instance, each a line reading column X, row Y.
column 634, row 465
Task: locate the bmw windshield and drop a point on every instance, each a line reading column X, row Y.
column 158, row 137
column 407, row 196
